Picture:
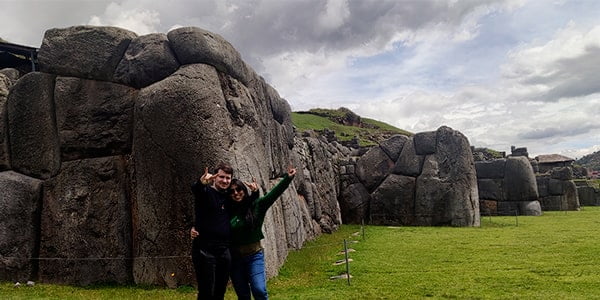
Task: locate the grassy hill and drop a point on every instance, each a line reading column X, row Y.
column 346, row 125
column 590, row 161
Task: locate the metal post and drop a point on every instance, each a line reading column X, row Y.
column 347, row 262
column 363, row 229
column 31, row 56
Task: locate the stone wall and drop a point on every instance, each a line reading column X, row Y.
column 557, row 190
column 507, row 186
column 100, row 148
column 425, row 180
column 588, row 195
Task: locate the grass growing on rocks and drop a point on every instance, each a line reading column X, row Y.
column 554, row 256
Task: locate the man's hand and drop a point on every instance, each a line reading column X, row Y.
column 193, row 233
column 207, row 178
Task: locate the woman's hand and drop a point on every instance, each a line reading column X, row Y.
column 193, row 233
column 291, row 171
column 253, row 186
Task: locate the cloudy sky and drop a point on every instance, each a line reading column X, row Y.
column 502, row 72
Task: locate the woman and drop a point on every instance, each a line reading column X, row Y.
column 247, row 217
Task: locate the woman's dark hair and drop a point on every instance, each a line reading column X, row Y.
column 244, row 207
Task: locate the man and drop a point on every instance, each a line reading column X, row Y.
column 211, row 232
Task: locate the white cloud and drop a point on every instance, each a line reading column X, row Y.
column 503, row 72
column 140, row 21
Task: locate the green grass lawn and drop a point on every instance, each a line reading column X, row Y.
column 554, row 256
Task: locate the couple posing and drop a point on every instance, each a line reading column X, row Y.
column 227, row 232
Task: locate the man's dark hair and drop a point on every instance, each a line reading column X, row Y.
column 225, row 167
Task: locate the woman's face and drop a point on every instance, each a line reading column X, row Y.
column 237, row 193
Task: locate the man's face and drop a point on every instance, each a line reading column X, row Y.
column 222, row 180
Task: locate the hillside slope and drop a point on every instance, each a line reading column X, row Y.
column 590, row 161
column 349, row 127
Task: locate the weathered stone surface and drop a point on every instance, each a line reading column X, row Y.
column 408, row 163
column 94, row 118
column 181, row 127
column 490, row 169
column 91, row 52
column 5, row 85
column 11, row 73
column 275, row 241
column 530, row 208
column 34, row 144
column 488, row 207
column 86, row 223
column 373, row 167
column 555, row 187
column 564, row 173
column 425, row 142
column 194, row 45
column 354, row 203
column 551, row 203
column 393, row 201
column 450, row 182
column 571, row 195
column 393, row 146
column 322, row 173
column 519, row 180
column 148, row 59
column 509, row 208
column 542, row 183
column 20, row 202
column 293, row 218
column 491, row 189
column 588, row 196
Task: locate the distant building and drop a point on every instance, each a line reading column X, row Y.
column 546, row 162
column 593, row 174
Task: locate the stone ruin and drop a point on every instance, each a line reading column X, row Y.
column 425, row 180
column 507, row 186
column 99, row 148
column 557, row 190
column 514, row 186
column 98, row 151
column 588, row 195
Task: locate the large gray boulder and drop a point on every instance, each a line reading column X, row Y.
column 491, row 169
column 11, row 73
column 373, row 167
column 394, row 145
column 34, row 144
column 90, row 52
column 447, row 186
column 194, row 45
column 181, row 127
column 5, row 85
column 392, row 203
column 148, row 59
column 86, row 223
column 409, row 163
column 20, row 204
column 354, row 203
column 519, row 180
column 94, row 118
